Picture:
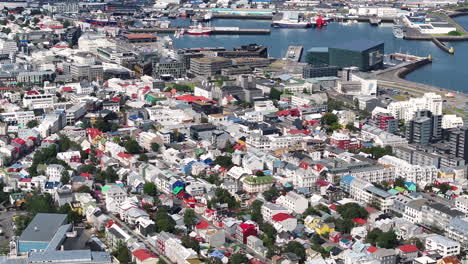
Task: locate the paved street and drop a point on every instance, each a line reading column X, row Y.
column 139, row 237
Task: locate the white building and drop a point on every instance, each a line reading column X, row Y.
column 145, row 139
column 39, row 100
column 177, row 253
column 293, row 202
column 406, row 109
column 451, row 121
column 461, row 203
column 382, row 138
column 54, row 172
column 268, row 210
column 444, row 246
column 115, row 197
column 420, row 175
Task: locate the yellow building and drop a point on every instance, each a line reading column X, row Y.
column 324, row 228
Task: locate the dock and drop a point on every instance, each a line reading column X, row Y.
column 242, row 16
column 214, row 30
column 442, row 46
column 294, row 53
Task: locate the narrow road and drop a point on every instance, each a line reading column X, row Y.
column 139, row 236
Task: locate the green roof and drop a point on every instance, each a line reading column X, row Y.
column 400, row 189
column 393, row 191
column 177, row 190
column 259, row 180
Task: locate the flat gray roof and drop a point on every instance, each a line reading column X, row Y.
column 43, row 227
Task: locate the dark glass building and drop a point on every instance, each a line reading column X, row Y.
column 365, row 54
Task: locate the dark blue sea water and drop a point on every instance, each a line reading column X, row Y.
column 446, row 71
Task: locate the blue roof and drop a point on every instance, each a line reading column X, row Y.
column 347, row 179
column 357, row 45
column 217, row 254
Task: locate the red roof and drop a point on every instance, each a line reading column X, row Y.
column 372, row 249
column 19, row 141
column 67, row 89
column 93, row 132
column 124, row 155
column 115, row 99
column 32, row 92
column 87, row 175
column 202, row 225
column 332, row 207
column 246, row 226
column 190, row 98
column 359, row 221
column 56, row 27
column 281, row 217
column 26, row 180
column 322, row 183
column 143, row 254
column 408, row 248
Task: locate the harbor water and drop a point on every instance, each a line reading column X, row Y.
column 447, row 71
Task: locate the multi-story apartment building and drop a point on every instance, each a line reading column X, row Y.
column 293, row 202
column 406, row 110
column 438, row 215
column 442, row 245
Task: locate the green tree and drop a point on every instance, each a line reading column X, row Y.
column 150, row 189
column 378, row 152
column 35, row 20
column 317, row 239
column 444, row 187
column 329, row 119
column 155, row 147
column 143, row 157
column 132, row 147
column 351, row 211
column 83, row 189
column 111, row 175
column 271, row 194
column 269, row 234
column 239, row 258
column 189, row 218
column 65, row 178
column 66, row 23
column 296, row 248
column 40, row 203
column 344, row 226
column 222, row 196
column 256, row 211
column 163, row 221
column 275, row 94
column 399, row 182
column 190, row 242
column 121, row 253
column 72, row 216
column 32, row 123
column 21, row 222
column 224, row 161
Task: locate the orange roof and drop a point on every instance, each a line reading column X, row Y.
column 139, row 36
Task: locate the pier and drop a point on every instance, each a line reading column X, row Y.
column 242, row 16
column 294, row 53
column 214, row 30
column 442, row 46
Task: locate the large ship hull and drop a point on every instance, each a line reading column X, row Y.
column 290, row 25
column 198, row 33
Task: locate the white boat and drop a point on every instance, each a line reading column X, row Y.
column 398, row 32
